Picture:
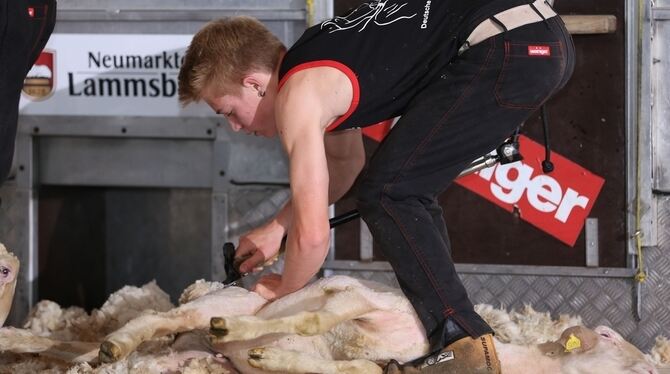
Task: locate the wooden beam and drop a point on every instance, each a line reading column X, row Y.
column 591, row 24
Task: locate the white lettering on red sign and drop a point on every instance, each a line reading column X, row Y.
column 557, row 203
column 543, row 192
column 539, row 50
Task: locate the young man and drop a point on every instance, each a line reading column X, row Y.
column 463, row 75
column 25, row 27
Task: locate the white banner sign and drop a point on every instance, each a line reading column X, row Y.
column 108, row 75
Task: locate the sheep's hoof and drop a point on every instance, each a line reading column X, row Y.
column 256, row 353
column 109, row 352
column 218, row 327
column 256, row 356
column 217, row 330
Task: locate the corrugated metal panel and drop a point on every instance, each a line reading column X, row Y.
column 660, row 70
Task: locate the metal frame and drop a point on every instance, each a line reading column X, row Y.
column 660, row 22
column 338, row 265
column 639, row 127
column 286, row 18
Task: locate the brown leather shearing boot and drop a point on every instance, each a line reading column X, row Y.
column 464, row 356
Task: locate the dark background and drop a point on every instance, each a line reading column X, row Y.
column 587, row 126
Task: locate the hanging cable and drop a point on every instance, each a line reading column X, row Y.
column 547, row 165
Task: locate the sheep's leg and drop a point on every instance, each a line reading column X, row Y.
column 274, row 359
column 23, row 341
column 190, row 316
column 339, row 307
column 123, row 341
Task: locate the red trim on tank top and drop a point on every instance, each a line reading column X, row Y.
column 339, row 66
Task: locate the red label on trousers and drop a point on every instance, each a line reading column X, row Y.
column 557, row 203
column 539, row 50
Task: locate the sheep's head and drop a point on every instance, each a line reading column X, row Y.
column 9, row 270
column 601, row 350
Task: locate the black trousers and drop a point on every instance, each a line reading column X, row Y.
column 25, row 27
column 480, row 98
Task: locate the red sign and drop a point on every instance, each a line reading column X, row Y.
column 39, row 82
column 557, row 203
column 379, row 130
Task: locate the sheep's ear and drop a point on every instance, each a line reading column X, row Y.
column 608, row 334
column 578, row 339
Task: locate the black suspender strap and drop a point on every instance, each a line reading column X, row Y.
column 537, row 11
column 497, row 22
column 539, row 14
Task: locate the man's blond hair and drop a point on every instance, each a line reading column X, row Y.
column 222, row 52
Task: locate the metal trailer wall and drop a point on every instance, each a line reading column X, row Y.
column 169, row 183
column 660, row 71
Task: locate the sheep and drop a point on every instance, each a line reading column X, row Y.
column 334, row 325
column 9, row 270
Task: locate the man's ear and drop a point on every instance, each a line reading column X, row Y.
column 252, row 80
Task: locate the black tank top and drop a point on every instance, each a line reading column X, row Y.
column 389, row 50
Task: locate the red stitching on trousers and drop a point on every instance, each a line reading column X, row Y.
column 414, row 154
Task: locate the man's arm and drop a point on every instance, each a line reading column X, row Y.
column 309, row 101
column 346, row 158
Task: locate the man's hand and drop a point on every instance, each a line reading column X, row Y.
column 270, row 287
column 259, row 245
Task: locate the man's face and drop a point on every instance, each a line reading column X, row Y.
column 245, row 110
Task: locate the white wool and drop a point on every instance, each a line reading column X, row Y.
column 83, row 368
column 156, row 362
column 660, row 354
column 44, row 318
column 526, row 326
column 18, row 364
column 34, row 366
column 3, row 249
column 500, row 321
column 47, row 318
column 523, row 327
column 129, row 302
column 203, row 365
column 537, row 327
column 533, row 327
column 199, row 288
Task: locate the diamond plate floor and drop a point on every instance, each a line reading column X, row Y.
column 599, row 301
